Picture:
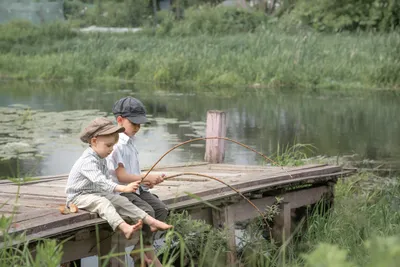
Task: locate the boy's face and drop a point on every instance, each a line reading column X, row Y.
column 130, row 128
column 103, row 144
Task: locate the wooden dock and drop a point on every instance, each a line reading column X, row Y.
column 35, row 203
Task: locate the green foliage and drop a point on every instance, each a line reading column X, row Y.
column 255, row 249
column 48, row 252
column 124, row 13
column 125, row 66
column 196, row 241
column 326, row 255
column 384, row 251
column 347, row 15
column 294, row 155
column 19, row 36
column 263, row 59
column 212, row 21
column 365, row 207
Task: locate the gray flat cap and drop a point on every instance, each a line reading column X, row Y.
column 130, row 108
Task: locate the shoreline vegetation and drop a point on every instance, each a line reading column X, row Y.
column 210, row 47
column 361, row 230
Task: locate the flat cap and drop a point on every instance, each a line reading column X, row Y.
column 130, row 108
column 99, row 126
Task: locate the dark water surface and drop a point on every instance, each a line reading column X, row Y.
column 367, row 124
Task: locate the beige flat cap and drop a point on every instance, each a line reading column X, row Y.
column 99, row 126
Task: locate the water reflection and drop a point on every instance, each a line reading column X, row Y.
column 364, row 124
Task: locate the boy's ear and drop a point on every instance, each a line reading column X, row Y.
column 119, row 119
column 93, row 141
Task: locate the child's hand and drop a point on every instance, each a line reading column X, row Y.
column 131, row 187
column 161, row 178
column 153, row 179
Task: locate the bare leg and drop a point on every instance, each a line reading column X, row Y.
column 156, row 225
column 128, row 230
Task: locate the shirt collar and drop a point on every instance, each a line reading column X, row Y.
column 124, row 139
column 90, row 151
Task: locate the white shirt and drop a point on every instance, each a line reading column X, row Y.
column 125, row 153
column 89, row 175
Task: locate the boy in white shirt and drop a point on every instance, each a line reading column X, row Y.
column 89, row 187
column 123, row 164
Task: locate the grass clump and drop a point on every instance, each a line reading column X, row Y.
column 365, row 215
column 47, row 252
column 210, row 20
column 294, row 155
column 194, row 242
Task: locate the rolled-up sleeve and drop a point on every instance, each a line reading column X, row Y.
column 91, row 170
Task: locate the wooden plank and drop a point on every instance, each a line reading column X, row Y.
column 36, row 203
column 38, row 179
column 13, row 210
column 263, row 181
column 298, row 198
column 260, row 168
column 33, row 190
column 32, row 214
column 174, row 204
column 53, row 220
column 70, row 228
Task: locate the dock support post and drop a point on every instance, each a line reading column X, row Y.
column 115, row 245
column 118, row 245
column 226, row 218
column 287, row 220
column 216, row 127
column 283, row 223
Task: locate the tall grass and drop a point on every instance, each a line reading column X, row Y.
column 366, row 207
column 265, row 58
column 46, row 253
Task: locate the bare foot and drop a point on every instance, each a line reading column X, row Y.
column 138, row 225
column 127, row 229
column 156, row 225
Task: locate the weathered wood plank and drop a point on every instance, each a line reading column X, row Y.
column 264, row 181
column 53, row 220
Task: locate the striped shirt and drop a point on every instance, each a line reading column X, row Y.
column 89, row 175
column 125, row 153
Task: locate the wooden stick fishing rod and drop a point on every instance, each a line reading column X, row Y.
column 208, row 138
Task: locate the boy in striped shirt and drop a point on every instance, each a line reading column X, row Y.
column 89, row 187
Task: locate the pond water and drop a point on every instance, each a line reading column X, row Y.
column 363, row 124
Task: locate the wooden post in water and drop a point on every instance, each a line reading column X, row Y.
column 216, row 127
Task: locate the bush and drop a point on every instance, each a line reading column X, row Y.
column 347, row 15
column 23, row 33
column 211, row 20
column 197, row 241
